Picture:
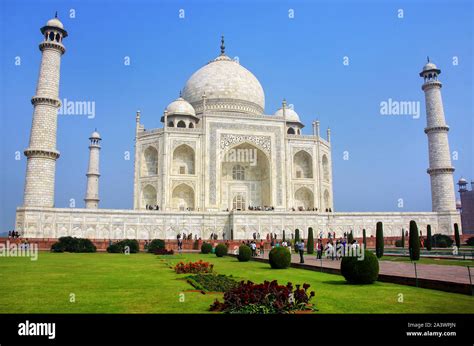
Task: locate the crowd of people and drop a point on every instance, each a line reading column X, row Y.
column 13, row 234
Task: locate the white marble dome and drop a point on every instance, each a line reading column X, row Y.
column 55, row 22
column 291, row 115
column 95, row 135
column 228, row 86
column 180, row 107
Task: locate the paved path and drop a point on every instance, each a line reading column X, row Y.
column 447, row 273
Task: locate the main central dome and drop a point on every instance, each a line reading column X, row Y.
column 227, row 86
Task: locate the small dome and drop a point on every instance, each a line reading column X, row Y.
column 95, row 135
column 462, row 181
column 291, row 115
column 55, row 22
column 180, row 107
column 430, row 66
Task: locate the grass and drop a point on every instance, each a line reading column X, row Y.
column 425, row 260
column 144, row 283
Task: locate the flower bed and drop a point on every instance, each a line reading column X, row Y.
column 265, row 298
column 212, row 282
column 194, row 267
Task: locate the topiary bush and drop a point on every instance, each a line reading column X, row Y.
column 70, row 244
column 350, row 237
column 244, row 253
column 279, row 258
column 297, row 239
column 398, row 243
column 414, row 242
column 357, row 271
column 206, row 248
column 364, row 239
column 310, row 244
column 470, row 241
column 403, row 238
column 457, row 238
column 121, row 246
column 155, row 245
column 441, row 240
column 428, row 238
column 221, row 250
column 379, row 240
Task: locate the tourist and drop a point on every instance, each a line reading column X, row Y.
column 9, row 234
column 262, row 248
column 319, row 249
column 253, row 247
column 301, row 250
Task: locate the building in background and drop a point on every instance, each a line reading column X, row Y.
column 466, row 206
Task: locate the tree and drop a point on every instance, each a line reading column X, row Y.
column 379, row 240
column 364, row 239
column 283, row 235
column 457, row 239
column 310, row 244
column 403, row 238
column 428, row 238
column 414, row 242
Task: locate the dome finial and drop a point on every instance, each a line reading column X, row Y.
column 56, row 14
column 180, row 93
column 222, row 45
column 428, row 59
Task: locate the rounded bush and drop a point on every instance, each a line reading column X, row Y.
column 71, row 244
column 206, row 248
column 357, row 271
column 470, row 241
column 221, row 250
column 121, row 246
column 398, row 243
column 244, row 253
column 156, row 244
column 279, row 258
column 441, row 240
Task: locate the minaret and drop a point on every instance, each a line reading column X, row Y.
column 92, row 192
column 41, row 153
column 440, row 170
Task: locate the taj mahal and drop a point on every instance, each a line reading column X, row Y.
column 219, row 164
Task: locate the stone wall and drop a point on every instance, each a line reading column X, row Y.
column 135, row 224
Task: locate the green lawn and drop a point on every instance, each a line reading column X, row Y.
column 425, row 260
column 144, row 283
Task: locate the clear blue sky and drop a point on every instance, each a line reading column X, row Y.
column 300, row 59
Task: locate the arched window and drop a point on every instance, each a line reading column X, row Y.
column 183, row 160
column 327, row 200
column 238, row 172
column 325, row 162
column 291, row 131
column 150, row 162
column 51, row 36
column 191, row 125
column 303, row 165
column 170, row 124
column 238, row 202
column 148, row 196
column 57, row 37
column 181, row 123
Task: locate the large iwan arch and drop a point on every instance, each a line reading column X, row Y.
column 149, row 196
column 150, row 162
column 304, row 198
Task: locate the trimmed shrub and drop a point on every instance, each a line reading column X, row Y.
column 163, row 252
column 194, row 267
column 70, row 244
column 441, row 240
column 470, row 241
column 398, row 243
column 457, row 239
column 212, row 282
column 360, row 272
column 279, row 258
column 221, row 250
column 156, row 244
column 206, row 248
column 123, row 245
column 428, row 238
column 244, row 253
column 297, row 238
column 403, row 238
column 414, row 242
column 310, row 243
column 379, row 240
column 364, row 239
column 283, row 235
column 350, row 237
